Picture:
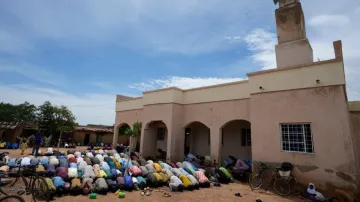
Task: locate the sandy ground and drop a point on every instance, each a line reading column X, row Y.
column 223, row 193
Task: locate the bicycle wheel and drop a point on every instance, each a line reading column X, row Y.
column 282, row 186
column 255, row 180
column 12, row 198
column 40, row 189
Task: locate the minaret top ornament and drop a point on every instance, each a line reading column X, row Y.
column 283, row 3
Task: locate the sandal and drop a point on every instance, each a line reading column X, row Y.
column 166, row 195
column 238, row 194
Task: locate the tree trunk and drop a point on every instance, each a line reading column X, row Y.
column 60, row 136
column 133, row 142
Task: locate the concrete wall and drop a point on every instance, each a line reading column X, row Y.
column 355, row 122
column 333, row 162
column 107, row 138
column 231, row 142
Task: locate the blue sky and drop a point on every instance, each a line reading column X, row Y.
column 82, row 53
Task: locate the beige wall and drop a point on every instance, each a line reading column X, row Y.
column 289, row 95
column 329, row 72
column 106, row 138
column 232, row 144
column 333, row 163
column 355, row 122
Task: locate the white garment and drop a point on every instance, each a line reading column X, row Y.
column 49, row 150
column 54, row 161
column 72, row 172
column 79, row 159
column 77, row 154
column 89, row 154
column 134, row 180
column 100, row 157
column 104, row 166
column 81, row 165
column 66, row 145
column 175, row 180
column 25, row 161
column 317, row 194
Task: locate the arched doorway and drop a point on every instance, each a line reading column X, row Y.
column 122, row 138
column 119, row 135
column 197, row 139
column 154, row 139
column 236, row 140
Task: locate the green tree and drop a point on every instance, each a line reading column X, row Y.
column 65, row 121
column 53, row 119
column 46, row 118
column 122, row 129
column 19, row 115
column 134, row 134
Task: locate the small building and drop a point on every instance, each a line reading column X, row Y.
column 97, row 134
column 11, row 131
column 297, row 113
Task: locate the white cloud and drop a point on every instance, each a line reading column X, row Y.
column 262, row 45
column 32, row 72
column 181, row 82
column 88, row 108
column 322, row 30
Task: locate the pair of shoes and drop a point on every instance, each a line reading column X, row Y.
column 217, row 185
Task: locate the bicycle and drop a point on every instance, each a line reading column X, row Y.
column 12, row 198
column 37, row 185
column 279, row 183
column 8, row 198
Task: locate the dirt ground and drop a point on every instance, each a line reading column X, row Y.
column 223, row 193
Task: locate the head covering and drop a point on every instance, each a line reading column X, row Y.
column 311, row 191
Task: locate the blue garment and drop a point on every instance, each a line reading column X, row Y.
column 50, row 171
column 141, row 180
column 165, row 165
column 128, row 182
column 58, row 182
column 12, row 162
column 38, row 139
column 44, row 161
column 15, row 146
column 183, row 171
column 73, row 165
column 113, row 172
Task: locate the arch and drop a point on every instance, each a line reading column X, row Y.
column 120, row 139
column 197, row 139
column 123, row 123
column 195, row 122
column 155, row 137
column 230, row 121
column 235, row 140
